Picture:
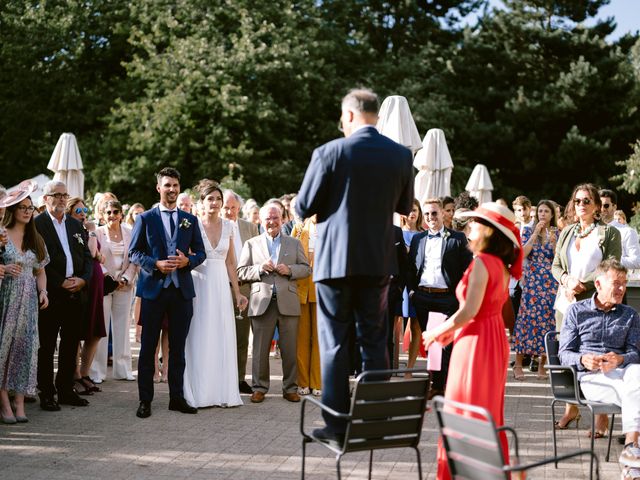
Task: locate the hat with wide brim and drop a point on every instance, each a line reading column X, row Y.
column 19, row 193
column 497, row 215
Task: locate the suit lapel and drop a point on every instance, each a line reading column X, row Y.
column 158, row 216
column 422, row 244
column 52, row 230
column 265, row 246
column 282, row 252
column 445, row 238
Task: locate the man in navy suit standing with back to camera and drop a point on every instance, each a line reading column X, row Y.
column 354, row 185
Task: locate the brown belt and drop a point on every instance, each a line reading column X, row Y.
column 433, row 290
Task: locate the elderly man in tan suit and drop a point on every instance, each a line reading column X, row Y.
column 272, row 262
column 242, row 231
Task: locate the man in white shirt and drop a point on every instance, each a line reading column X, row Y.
column 630, row 245
column 242, row 231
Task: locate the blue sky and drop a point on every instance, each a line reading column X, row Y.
column 625, row 12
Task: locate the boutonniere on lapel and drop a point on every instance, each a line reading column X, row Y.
column 185, row 223
column 78, row 237
column 446, row 234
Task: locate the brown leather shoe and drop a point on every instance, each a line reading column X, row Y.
column 291, row 396
column 257, row 397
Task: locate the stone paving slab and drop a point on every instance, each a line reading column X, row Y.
column 255, row 441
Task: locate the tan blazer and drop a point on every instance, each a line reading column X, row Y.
column 247, row 230
column 254, row 253
column 129, row 270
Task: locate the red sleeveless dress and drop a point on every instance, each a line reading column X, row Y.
column 480, row 356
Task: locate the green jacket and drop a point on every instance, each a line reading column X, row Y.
column 610, row 244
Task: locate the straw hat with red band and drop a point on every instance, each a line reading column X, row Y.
column 504, row 220
column 19, row 193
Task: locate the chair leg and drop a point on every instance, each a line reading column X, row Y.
column 370, row 462
column 419, row 463
column 338, row 458
column 553, row 429
column 593, row 435
column 304, row 450
column 613, row 419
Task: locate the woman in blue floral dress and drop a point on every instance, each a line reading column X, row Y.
column 23, row 291
column 536, row 315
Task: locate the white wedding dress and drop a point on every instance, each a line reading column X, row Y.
column 211, row 372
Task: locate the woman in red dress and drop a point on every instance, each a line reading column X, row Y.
column 478, row 367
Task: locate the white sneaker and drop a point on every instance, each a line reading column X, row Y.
column 316, row 393
column 630, row 457
column 303, row 391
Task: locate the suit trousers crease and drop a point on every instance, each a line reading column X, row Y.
column 343, row 303
column 308, row 348
column 180, row 311
column 264, row 327
column 117, row 307
column 64, row 316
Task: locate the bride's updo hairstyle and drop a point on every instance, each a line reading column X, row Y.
column 206, row 187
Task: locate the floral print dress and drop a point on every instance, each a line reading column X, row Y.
column 19, row 323
column 536, row 315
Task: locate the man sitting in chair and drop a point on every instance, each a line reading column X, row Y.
column 600, row 337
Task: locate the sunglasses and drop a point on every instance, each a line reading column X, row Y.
column 112, row 212
column 430, row 214
column 58, row 196
column 84, row 210
column 584, row 201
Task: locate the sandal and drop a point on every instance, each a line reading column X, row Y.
column 597, row 434
column 518, row 373
column 93, row 387
column 82, row 387
column 568, row 424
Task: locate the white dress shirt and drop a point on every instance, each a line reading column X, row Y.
column 630, row 246
column 61, row 231
column 432, row 271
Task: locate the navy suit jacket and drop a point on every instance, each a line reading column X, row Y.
column 355, row 185
column 456, row 257
column 149, row 244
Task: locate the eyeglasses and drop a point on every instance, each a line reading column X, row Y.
column 112, row 212
column 26, row 208
column 59, row 196
column 340, row 126
column 606, row 206
column 82, row 210
column 584, row 201
column 432, row 214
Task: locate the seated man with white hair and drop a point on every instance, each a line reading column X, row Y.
column 600, row 337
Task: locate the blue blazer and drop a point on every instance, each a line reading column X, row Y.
column 456, row 257
column 148, row 245
column 355, row 185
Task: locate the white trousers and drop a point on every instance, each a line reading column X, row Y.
column 620, row 386
column 117, row 308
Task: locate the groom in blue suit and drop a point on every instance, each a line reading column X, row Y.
column 354, row 185
column 167, row 244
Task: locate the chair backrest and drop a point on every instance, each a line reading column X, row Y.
column 386, row 413
column 563, row 384
column 470, row 438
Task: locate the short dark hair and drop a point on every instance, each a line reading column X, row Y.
column 447, row 200
column 610, row 263
column 168, row 172
column 521, row 201
column 605, row 192
column 465, row 200
column 361, row 100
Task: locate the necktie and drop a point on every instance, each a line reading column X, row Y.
column 172, row 224
column 435, row 235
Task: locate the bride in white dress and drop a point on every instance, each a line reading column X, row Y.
column 211, row 372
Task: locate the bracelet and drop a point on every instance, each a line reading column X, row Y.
column 43, row 291
column 93, row 234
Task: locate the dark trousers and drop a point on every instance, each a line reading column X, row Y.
column 342, row 304
column 64, row 315
column 179, row 311
column 447, row 304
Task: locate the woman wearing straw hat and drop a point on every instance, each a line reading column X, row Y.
column 478, row 366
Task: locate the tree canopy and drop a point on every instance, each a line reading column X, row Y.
column 228, row 88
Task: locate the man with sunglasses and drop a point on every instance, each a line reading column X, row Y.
column 438, row 257
column 630, row 245
column 68, row 274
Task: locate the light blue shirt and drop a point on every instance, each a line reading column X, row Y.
column 274, row 247
column 588, row 329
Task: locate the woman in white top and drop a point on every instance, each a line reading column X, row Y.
column 114, row 238
column 580, row 248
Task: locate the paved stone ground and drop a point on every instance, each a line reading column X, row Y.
column 107, row 441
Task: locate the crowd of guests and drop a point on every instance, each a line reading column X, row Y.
column 70, row 272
